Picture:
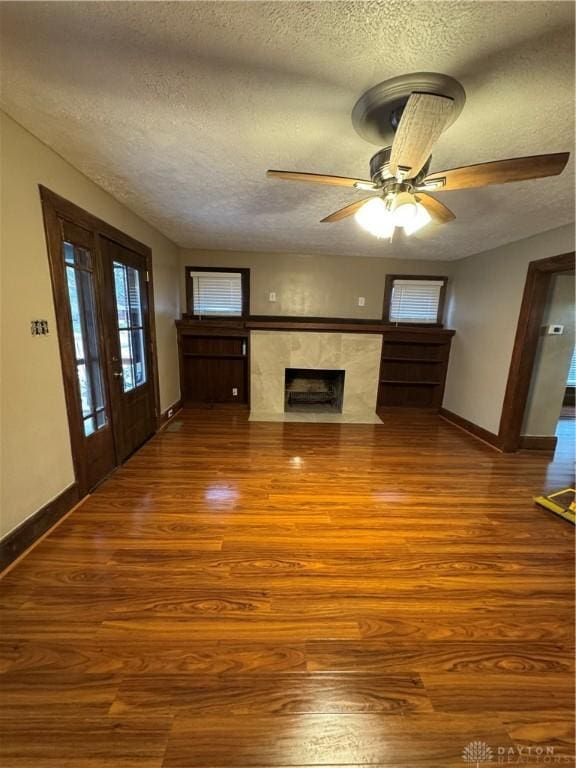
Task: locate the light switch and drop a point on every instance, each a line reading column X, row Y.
column 361, row 301
column 555, row 330
column 272, row 296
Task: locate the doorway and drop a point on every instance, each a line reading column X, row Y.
column 548, row 422
column 532, row 327
column 101, row 281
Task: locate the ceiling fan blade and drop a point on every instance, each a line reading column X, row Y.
column 497, row 172
column 318, row 178
column 424, row 118
column 440, row 213
column 346, row 211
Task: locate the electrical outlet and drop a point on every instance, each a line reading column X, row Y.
column 361, row 301
column 234, row 392
column 272, row 296
column 170, row 413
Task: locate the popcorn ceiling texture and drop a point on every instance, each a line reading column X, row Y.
column 178, row 109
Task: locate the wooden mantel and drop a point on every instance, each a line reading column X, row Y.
column 241, row 327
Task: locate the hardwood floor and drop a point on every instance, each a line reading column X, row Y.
column 283, row 594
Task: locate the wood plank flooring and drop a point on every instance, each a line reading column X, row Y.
column 283, row 594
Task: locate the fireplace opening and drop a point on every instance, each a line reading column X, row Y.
column 313, row 390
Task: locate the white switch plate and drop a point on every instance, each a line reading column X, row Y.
column 272, row 296
column 234, row 392
column 361, row 301
column 555, row 330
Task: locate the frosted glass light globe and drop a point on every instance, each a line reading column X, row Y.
column 375, row 218
column 404, row 209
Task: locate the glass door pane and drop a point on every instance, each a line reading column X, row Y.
column 127, row 289
column 80, row 284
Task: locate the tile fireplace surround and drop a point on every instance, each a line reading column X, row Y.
column 358, row 354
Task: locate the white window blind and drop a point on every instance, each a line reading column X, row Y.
column 572, row 372
column 217, row 293
column 415, row 301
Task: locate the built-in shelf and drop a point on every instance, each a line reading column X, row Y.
column 413, row 368
column 410, row 383
column 213, row 363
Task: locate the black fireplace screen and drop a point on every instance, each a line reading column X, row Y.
column 309, row 388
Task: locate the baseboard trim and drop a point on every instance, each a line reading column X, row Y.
column 163, row 419
column 473, row 429
column 538, row 443
column 18, row 542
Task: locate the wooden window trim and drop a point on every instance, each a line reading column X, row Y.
column 244, row 273
column 388, row 286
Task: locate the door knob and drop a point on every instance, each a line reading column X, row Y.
column 118, row 375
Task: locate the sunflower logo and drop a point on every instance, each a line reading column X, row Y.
column 477, row 752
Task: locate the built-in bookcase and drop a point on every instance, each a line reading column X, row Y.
column 213, row 364
column 413, row 369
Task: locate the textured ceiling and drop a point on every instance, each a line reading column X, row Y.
column 177, row 109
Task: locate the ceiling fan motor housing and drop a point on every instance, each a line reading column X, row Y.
column 377, row 112
column 380, row 167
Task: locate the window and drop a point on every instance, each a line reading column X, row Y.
column 410, row 299
column 79, row 281
column 130, row 326
column 571, row 382
column 217, row 292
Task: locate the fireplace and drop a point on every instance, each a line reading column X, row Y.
column 313, row 390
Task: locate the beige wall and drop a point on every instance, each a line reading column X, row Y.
column 485, row 302
column 35, row 447
column 552, row 363
column 313, row 286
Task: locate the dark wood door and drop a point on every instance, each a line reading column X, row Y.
column 127, row 327
column 76, row 277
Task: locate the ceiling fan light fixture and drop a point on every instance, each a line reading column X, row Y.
column 375, row 218
column 404, row 209
column 420, row 220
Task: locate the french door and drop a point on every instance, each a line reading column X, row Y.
column 126, row 319
column 103, row 306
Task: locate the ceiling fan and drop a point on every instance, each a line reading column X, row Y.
column 407, row 115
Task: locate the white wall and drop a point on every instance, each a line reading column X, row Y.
column 484, row 306
column 34, row 443
column 552, row 362
column 314, row 286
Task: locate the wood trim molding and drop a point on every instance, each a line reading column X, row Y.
column 245, row 282
column 288, row 323
column 473, row 429
column 15, row 543
column 389, row 285
column 78, row 215
column 54, row 209
column 295, row 324
column 538, row 443
column 164, row 418
column 530, row 320
column 152, row 332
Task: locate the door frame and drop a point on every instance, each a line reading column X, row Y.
column 55, row 207
column 538, row 280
